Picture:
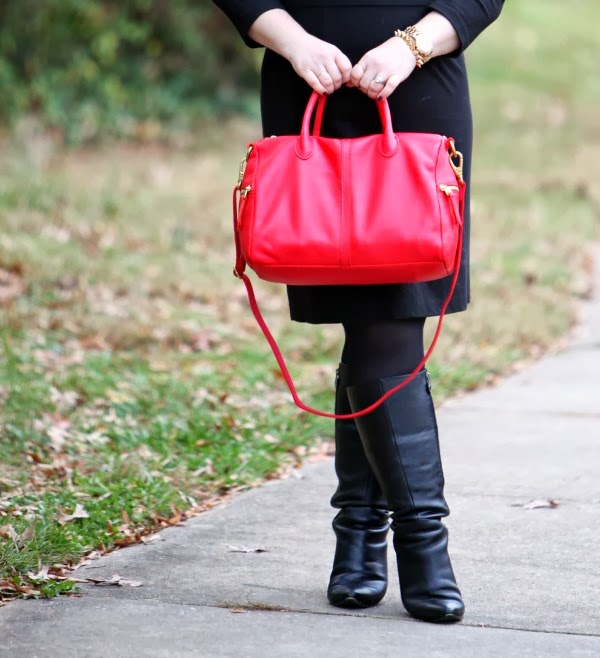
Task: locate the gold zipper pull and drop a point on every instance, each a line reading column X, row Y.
column 448, row 189
column 245, row 191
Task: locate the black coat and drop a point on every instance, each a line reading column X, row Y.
column 433, row 99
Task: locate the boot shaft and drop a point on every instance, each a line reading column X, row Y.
column 357, row 485
column 400, row 440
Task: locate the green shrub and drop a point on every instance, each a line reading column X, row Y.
column 93, row 67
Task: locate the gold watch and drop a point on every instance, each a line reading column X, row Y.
column 420, row 44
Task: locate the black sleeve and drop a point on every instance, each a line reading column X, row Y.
column 243, row 13
column 469, row 17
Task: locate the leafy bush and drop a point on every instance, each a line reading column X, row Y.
column 92, row 67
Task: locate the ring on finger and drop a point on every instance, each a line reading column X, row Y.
column 379, row 81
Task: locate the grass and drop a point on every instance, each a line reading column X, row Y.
column 135, row 386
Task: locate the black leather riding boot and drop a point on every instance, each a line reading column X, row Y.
column 359, row 574
column 400, row 439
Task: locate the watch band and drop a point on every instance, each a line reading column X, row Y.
column 410, row 36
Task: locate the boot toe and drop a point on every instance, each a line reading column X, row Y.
column 356, row 595
column 437, row 611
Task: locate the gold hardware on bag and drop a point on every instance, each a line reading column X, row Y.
column 456, row 155
column 458, row 168
column 448, row 189
column 243, row 164
column 245, row 191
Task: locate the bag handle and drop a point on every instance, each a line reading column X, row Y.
column 239, row 272
column 389, row 141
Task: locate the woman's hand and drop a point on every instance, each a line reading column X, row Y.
column 382, row 69
column 322, row 65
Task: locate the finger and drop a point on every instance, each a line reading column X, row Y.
column 367, row 79
column 390, row 87
column 345, row 67
column 326, row 80
column 377, row 85
column 335, row 74
column 311, row 78
column 357, row 73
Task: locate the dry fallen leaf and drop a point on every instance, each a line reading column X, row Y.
column 28, row 534
column 8, row 532
column 11, row 286
column 58, row 435
column 203, row 340
column 132, row 583
column 65, row 400
column 79, row 513
column 538, row 503
column 42, row 574
column 246, row 549
column 116, row 580
column 7, row 585
column 148, row 539
column 126, row 541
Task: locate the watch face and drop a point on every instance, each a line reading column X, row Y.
column 423, row 44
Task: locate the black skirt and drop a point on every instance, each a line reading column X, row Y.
column 434, row 99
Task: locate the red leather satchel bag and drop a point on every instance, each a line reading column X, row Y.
column 312, row 210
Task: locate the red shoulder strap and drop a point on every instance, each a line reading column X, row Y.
column 239, row 271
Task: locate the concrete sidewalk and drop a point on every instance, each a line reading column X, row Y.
column 530, row 578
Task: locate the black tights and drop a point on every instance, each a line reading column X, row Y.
column 382, row 349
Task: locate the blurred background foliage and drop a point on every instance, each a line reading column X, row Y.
column 99, row 67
